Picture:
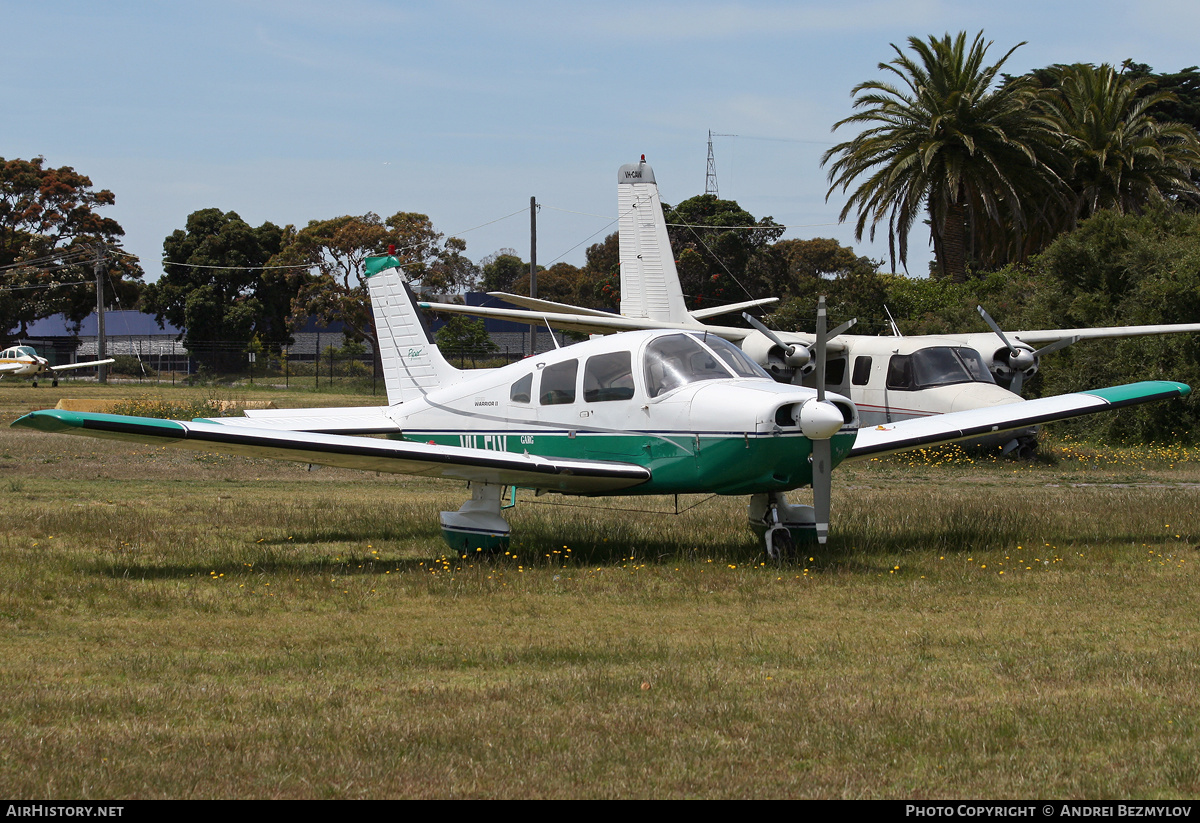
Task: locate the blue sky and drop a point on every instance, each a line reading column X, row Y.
column 295, row 111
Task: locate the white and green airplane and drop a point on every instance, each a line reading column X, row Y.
column 23, row 361
column 643, row 412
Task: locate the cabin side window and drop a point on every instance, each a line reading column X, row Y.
column 862, row 371
column 835, row 371
column 608, row 377
column 899, row 374
column 558, row 383
column 522, row 390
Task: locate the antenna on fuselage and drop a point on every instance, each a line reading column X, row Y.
column 546, row 320
column 895, row 328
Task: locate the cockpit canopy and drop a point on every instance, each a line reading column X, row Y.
column 936, row 366
column 18, row 351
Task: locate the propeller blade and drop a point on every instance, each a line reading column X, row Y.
column 1018, row 380
column 789, row 348
column 1061, row 344
column 842, row 328
column 987, row 318
column 822, row 483
column 820, row 346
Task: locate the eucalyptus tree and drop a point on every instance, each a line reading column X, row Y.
column 943, row 139
column 51, row 231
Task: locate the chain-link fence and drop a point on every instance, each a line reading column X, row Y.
column 280, row 366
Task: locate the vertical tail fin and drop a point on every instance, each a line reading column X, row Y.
column 649, row 280
column 412, row 363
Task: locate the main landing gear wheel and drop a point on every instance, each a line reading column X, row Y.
column 780, row 546
column 782, row 527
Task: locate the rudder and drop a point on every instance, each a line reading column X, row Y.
column 412, row 363
column 649, row 280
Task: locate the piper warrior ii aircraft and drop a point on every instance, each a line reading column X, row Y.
column 23, row 361
column 645, row 412
column 888, row 378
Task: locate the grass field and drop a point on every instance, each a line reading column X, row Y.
column 190, row 625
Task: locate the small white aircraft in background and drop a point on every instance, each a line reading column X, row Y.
column 889, row 378
column 23, row 361
column 645, row 412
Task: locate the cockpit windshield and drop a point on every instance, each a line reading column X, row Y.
column 678, row 359
column 734, row 357
column 937, row 366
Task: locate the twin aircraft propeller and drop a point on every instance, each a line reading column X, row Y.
column 657, row 411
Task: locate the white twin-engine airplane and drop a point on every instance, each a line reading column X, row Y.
column 644, row 412
column 889, row 378
column 23, row 361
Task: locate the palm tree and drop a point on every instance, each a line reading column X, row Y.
column 1117, row 155
column 943, row 141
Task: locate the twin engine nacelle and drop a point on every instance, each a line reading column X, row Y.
column 1005, row 363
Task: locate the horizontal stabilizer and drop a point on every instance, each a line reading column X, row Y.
column 717, row 311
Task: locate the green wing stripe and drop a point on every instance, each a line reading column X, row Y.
column 1132, row 393
column 69, row 422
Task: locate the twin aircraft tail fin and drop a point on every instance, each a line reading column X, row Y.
column 649, row 280
column 412, row 363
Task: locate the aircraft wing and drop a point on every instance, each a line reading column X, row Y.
column 8, row 368
column 964, row 425
column 539, row 305
column 88, row 365
column 587, row 323
column 369, row 454
column 536, row 304
column 1038, row 337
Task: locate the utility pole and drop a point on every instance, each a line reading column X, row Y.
column 533, row 207
column 98, row 268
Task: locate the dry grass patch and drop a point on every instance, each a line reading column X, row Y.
column 183, row 625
